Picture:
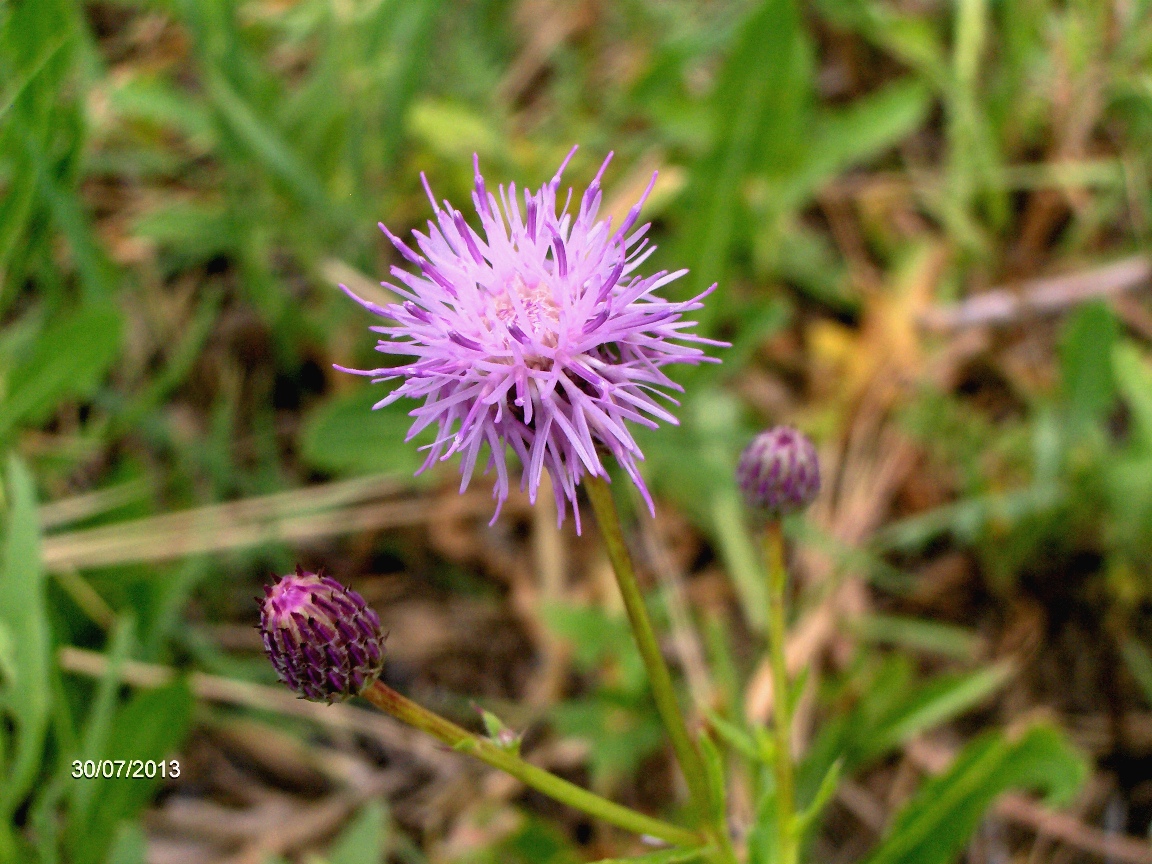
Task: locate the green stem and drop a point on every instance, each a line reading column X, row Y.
column 458, row 738
column 782, row 725
column 663, row 692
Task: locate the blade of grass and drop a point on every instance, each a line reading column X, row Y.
column 215, row 530
column 98, row 275
column 920, row 634
column 100, row 715
column 756, row 76
column 24, row 618
column 30, row 75
column 414, row 28
column 56, row 514
column 264, row 144
column 941, row 700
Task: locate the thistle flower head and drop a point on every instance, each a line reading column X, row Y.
column 321, row 637
column 779, row 472
column 535, row 333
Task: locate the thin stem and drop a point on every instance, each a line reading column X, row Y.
column 458, row 738
column 782, row 725
column 660, row 678
column 664, row 694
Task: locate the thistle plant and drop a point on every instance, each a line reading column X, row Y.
column 539, row 336
column 327, row 645
column 779, row 474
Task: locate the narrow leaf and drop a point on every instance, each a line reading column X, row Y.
column 760, row 106
column 666, row 856
column 939, row 820
column 1087, row 378
column 24, row 697
column 939, row 701
column 149, row 728
column 1134, row 380
column 68, row 359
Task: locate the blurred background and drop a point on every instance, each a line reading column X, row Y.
column 929, row 223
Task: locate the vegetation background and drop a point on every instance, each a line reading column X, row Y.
column 929, row 221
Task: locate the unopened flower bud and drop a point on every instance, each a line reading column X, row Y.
column 323, row 640
column 779, row 472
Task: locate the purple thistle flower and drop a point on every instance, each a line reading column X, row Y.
column 537, row 335
column 322, row 638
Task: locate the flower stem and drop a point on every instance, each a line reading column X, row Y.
column 782, row 725
column 458, row 738
column 659, row 677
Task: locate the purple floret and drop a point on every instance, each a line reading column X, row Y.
column 538, row 336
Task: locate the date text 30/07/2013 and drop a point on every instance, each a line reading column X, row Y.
column 140, row 769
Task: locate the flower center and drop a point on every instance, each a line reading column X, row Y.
column 531, row 309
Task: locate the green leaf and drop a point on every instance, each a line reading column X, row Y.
column 918, row 634
column 97, row 273
column 1134, row 380
column 939, row 820
column 850, row 136
column 968, row 518
column 265, row 144
column 1088, row 382
column 7, row 656
column 761, row 106
column 712, row 429
column 735, row 737
column 761, row 321
column 150, row 728
column 192, row 232
column 596, row 635
column 365, row 840
column 618, row 719
column 411, row 40
column 937, row 702
column 101, row 714
column 346, row 436
column 68, row 359
column 179, row 363
column 714, row 769
column 1129, row 497
column 807, row 260
column 499, row 733
column 665, row 856
column 806, row 820
column 535, row 842
column 153, row 100
column 911, row 38
column 24, row 697
column 28, row 76
column 740, row 554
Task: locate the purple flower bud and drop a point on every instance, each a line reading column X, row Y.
column 779, row 472
column 323, row 640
